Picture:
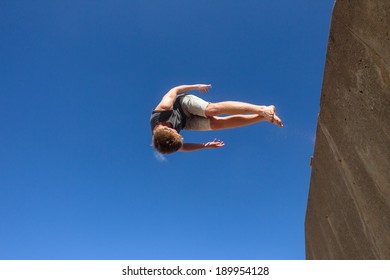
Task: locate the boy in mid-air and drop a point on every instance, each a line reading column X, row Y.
column 177, row 111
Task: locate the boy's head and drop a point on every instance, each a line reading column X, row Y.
column 167, row 140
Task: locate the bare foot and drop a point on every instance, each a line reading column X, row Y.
column 276, row 120
column 269, row 114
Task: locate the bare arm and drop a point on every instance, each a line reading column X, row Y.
column 189, row 147
column 169, row 98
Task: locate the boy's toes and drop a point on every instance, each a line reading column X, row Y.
column 276, row 120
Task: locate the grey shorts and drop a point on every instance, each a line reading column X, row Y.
column 194, row 108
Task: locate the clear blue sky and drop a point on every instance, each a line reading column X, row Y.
column 78, row 80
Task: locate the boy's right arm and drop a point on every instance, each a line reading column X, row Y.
column 169, row 98
column 189, row 147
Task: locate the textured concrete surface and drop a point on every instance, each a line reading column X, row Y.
column 348, row 211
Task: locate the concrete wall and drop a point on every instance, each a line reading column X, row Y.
column 348, row 211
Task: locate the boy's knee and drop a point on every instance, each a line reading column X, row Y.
column 212, row 109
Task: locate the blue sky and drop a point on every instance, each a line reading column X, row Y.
column 78, row 177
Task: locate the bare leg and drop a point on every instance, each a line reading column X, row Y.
column 237, row 108
column 234, row 121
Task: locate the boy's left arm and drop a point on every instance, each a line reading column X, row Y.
column 189, row 147
column 169, row 98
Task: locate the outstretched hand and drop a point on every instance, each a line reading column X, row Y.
column 214, row 144
column 203, row 88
